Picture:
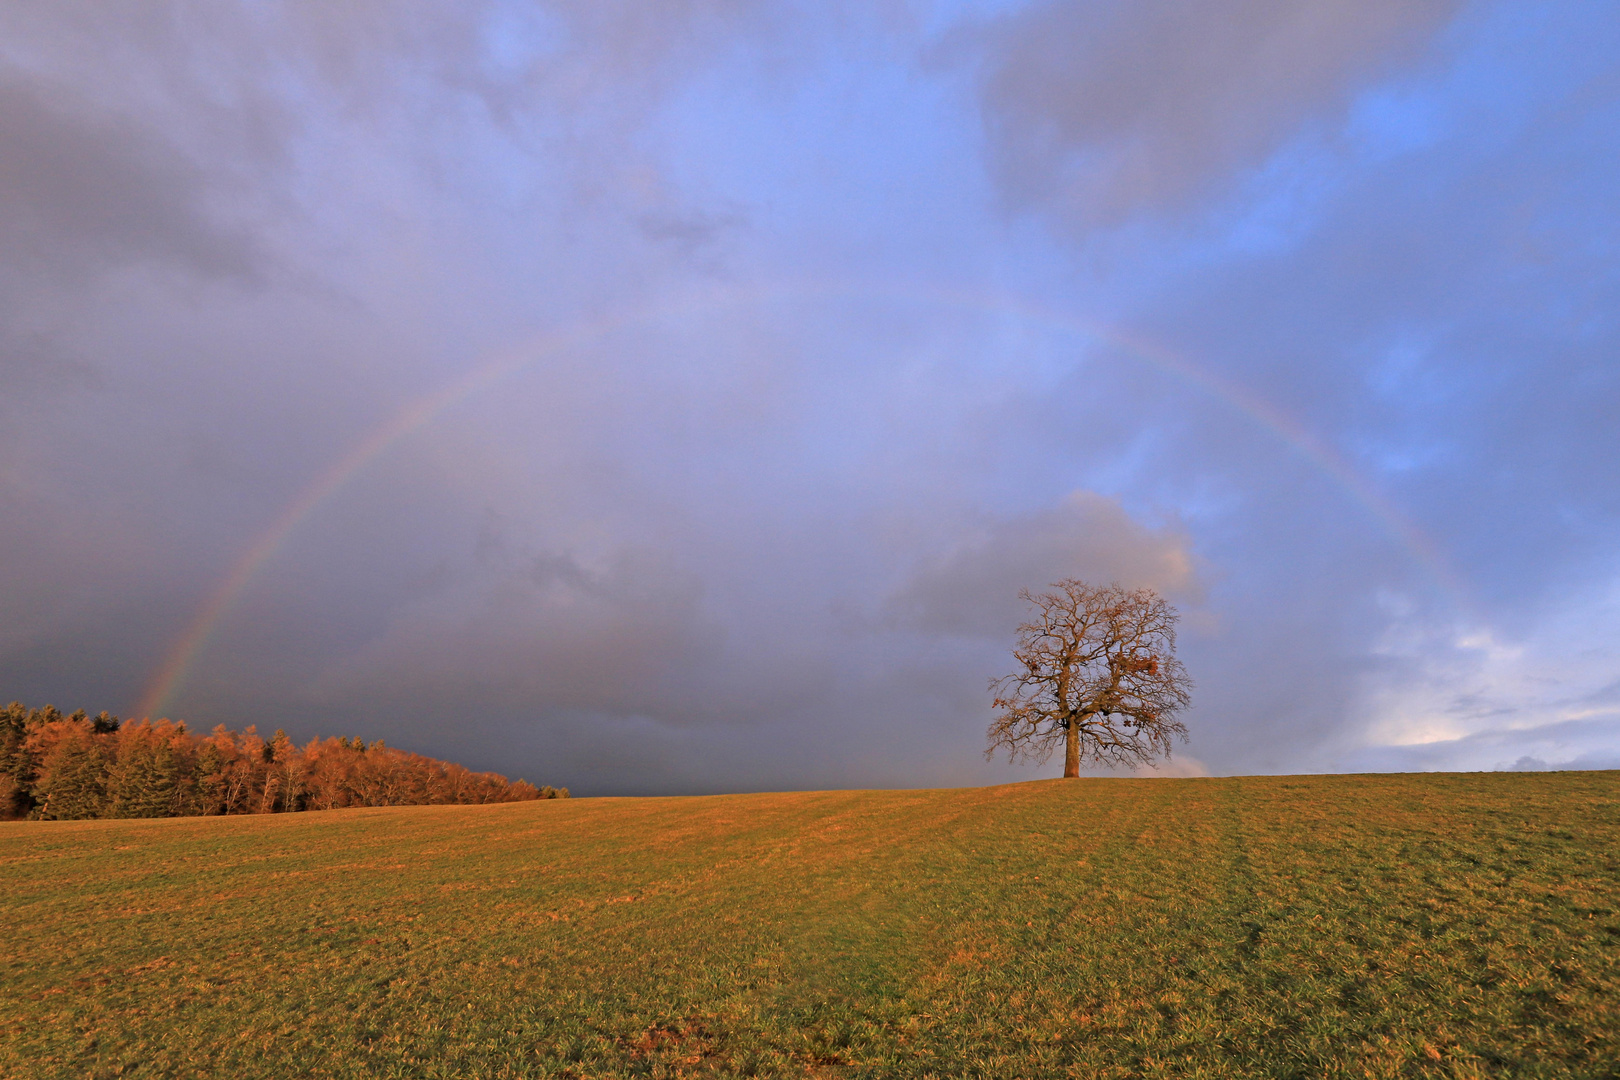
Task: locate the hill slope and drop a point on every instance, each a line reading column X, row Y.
column 1295, row 926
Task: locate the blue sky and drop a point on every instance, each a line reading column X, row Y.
column 791, row 340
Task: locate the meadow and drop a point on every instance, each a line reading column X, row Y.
column 1343, row 926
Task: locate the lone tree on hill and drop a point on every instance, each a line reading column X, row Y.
column 1097, row 675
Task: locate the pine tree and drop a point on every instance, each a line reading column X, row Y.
column 208, row 780
column 76, row 784
column 16, row 762
column 145, row 781
column 78, row 766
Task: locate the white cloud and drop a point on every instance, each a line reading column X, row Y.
column 1466, row 699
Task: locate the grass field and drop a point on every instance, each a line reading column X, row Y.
column 1425, row 925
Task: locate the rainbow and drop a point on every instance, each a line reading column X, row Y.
column 166, row 681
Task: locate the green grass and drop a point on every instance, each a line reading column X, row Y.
column 1433, row 925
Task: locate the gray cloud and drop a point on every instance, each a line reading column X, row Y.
column 549, row 636
column 973, row 589
column 755, row 508
column 81, row 190
column 1103, row 109
column 690, row 233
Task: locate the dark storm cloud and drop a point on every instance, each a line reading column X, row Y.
column 547, row 634
column 633, row 636
column 84, row 191
column 754, row 508
column 79, row 190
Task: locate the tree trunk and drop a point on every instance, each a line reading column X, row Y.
column 1071, row 751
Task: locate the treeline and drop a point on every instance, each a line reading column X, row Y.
column 69, row 767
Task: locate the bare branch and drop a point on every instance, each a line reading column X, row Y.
column 1096, row 674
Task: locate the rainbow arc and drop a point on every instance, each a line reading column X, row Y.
column 166, row 682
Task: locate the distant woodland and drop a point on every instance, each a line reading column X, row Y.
column 79, row 766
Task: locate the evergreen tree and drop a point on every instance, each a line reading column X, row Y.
column 78, row 766
column 146, row 780
column 208, row 780
column 16, row 762
column 76, row 779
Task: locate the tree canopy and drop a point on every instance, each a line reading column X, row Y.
column 1097, row 675
column 65, row 767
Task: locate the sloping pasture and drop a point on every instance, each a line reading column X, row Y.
column 1344, row 926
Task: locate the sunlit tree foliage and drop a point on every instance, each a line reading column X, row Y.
column 72, row 767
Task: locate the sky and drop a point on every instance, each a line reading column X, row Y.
column 673, row 398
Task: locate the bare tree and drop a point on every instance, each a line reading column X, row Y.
column 1097, row 675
